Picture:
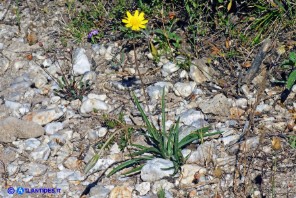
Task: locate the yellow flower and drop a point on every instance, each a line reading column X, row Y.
column 136, row 21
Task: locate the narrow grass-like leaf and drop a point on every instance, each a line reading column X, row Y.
column 176, row 137
column 194, row 136
column 146, row 150
column 139, row 146
column 161, row 193
column 60, row 84
column 170, row 142
column 149, row 149
column 64, row 80
column 291, row 80
column 151, row 129
column 94, row 160
column 163, row 112
column 163, row 144
column 134, row 170
column 91, row 163
column 124, row 165
column 128, row 164
column 292, row 57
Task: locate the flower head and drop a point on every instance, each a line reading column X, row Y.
column 136, row 21
column 92, row 33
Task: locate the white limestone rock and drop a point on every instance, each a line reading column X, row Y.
column 153, row 169
column 81, row 63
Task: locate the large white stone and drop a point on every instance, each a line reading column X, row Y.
column 162, row 184
column 188, row 172
column 143, row 188
column 218, row 105
column 81, row 63
column 45, row 116
column 263, row 108
column 41, row 153
column 53, row 127
column 202, row 154
column 200, row 72
column 190, row 116
column 155, row 91
column 92, row 104
column 101, row 164
column 169, row 68
column 241, row 103
column 120, row 191
column 153, row 170
column 40, row 81
column 31, row 144
column 12, row 128
column 35, row 169
column 20, row 64
column 91, row 76
column 184, row 89
column 197, row 75
column 4, row 63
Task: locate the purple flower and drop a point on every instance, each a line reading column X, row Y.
column 92, row 33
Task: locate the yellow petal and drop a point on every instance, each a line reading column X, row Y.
column 136, row 13
column 144, row 22
column 141, row 16
column 125, row 21
column 142, row 26
column 128, row 25
column 129, row 15
column 136, row 28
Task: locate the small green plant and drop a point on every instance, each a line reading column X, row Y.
column 112, row 123
column 184, row 64
column 289, row 64
column 292, row 141
column 124, row 132
column 166, row 38
column 164, row 144
column 84, row 20
column 17, row 12
column 161, row 193
column 71, row 89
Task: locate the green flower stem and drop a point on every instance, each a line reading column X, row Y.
column 140, row 75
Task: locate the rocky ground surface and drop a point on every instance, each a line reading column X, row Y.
column 46, row 140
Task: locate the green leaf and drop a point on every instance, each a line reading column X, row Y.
column 161, row 193
column 170, row 142
column 64, row 80
column 145, row 150
column 91, row 163
column 195, row 136
column 128, row 164
column 124, row 165
column 292, row 57
column 150, row 127
column 163, row 121
column 291, row 80
column 134, row 170
column 60, row 84
column 163, row 112
column 292, row 141
column 176, row 137
column 188, row 139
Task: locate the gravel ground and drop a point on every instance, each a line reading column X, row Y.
column 46, row 140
